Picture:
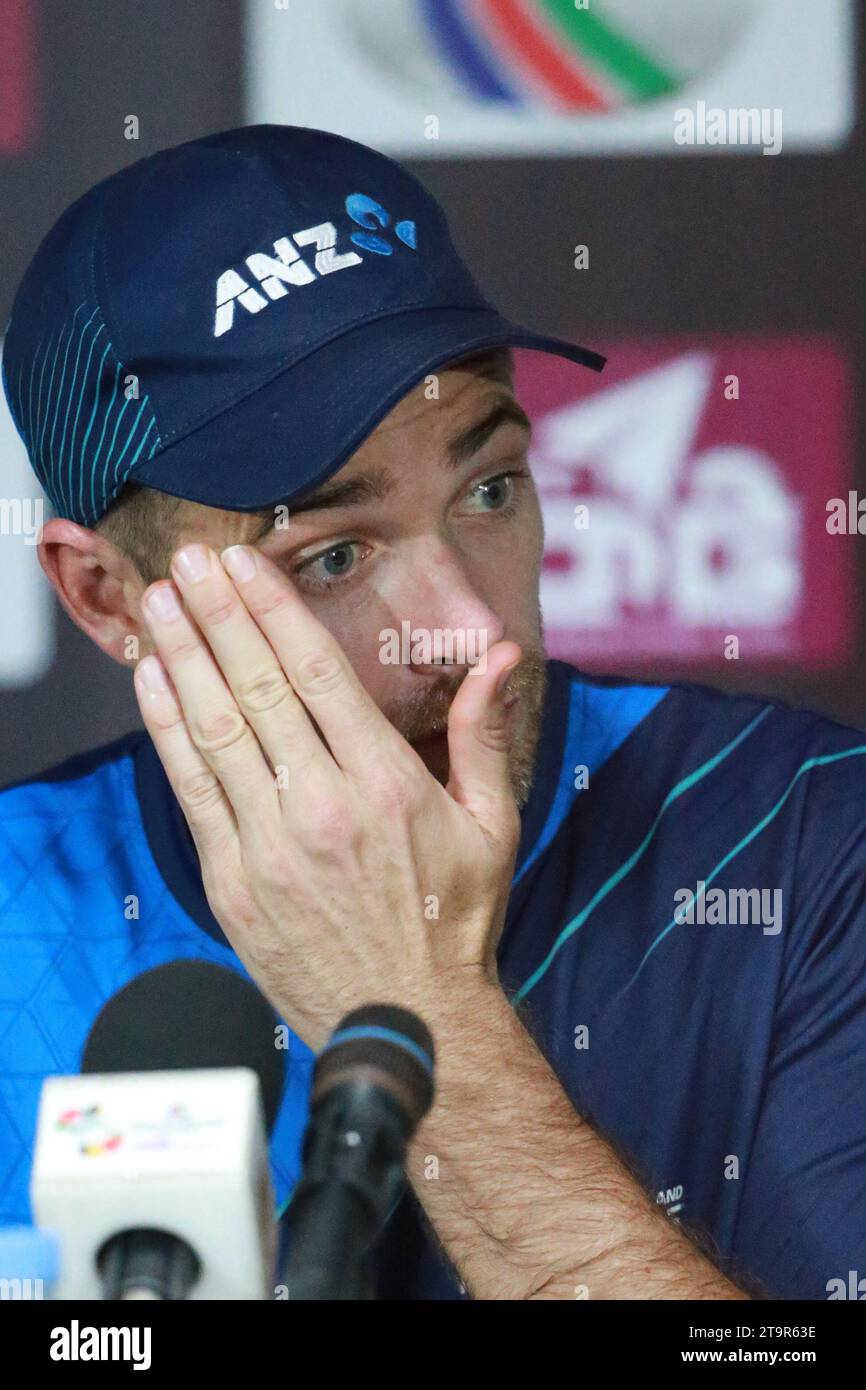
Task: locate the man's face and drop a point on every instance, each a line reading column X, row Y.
column 433, row 522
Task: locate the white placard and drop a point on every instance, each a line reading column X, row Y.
column 381, row 72
column 27, row 611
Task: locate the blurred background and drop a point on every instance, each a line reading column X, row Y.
column 602, row 185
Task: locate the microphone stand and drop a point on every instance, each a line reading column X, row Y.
column 353, row 1175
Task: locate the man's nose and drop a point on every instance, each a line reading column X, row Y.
column 450, row 622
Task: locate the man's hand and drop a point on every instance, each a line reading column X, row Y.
column 327, row 849
column 321, row 886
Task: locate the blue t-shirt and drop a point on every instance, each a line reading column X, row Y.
column 685, row 941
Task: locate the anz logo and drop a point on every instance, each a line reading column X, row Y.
column 671, row 1198
column 273, row 274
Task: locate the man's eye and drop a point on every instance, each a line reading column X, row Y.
column 496, row 494
column 325, row 570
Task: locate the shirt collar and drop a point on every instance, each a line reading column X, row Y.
column 174, row 850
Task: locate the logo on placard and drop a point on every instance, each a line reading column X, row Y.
column 90, row 1128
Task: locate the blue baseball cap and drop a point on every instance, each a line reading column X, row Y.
column 228, row 320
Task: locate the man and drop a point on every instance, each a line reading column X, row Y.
column 274, row 416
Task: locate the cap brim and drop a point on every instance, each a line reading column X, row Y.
column 293, row 433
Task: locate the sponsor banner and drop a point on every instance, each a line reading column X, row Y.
column 475, row 77
column 17, row 75
column 687, row 496
column 27, row 612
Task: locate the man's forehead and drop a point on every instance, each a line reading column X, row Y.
column 457, row 409
column 451, row 431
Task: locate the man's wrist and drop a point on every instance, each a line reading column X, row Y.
column 465, row 1012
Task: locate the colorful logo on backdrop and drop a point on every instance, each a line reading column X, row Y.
column 445, row 77
column 685, row 496
column 580, row 57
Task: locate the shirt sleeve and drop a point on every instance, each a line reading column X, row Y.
column 801, row 1227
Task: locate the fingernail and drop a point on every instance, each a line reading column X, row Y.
column 163, row 604
column 151, row 673
column 193, row 562
column 240, row 562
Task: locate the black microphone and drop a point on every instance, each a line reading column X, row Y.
column 372, row 1085
column 185, row 1016
column 188, row 1015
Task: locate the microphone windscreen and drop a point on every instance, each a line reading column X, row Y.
column 393, row 1042
column 187, row 1015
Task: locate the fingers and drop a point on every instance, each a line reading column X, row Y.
column 478, row 746
column 261, row 689
column 214, row 724
column 197, row 788
column 359, row 736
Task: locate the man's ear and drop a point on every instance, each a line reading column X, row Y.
column 99, row 587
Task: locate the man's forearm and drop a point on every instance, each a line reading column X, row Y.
column 526, row 1199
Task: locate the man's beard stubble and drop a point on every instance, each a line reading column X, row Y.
column 426, row 714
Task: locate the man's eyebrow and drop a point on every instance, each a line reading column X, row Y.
column 372, row 486
column 470, row 441
column 376, row 484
